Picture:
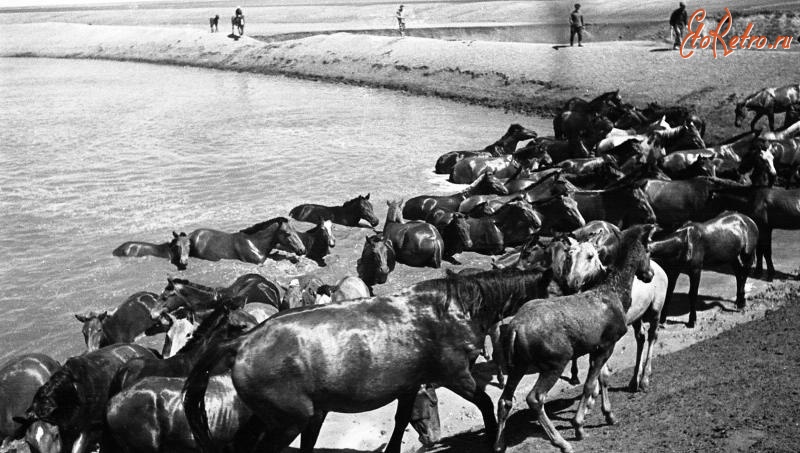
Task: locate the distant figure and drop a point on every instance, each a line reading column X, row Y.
column 214, row 21
column 576, row 25
column 237, row 21
column 401, row 21
column 678, row 21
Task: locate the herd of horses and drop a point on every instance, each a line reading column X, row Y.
column 589, row 230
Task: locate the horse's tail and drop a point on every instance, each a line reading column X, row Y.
column 194, row 390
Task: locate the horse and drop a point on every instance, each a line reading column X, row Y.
column 587, row 127
column 129, row 322
column 593, row 172
column 510, row 225
column 427, row 334
column 237, row 23
column 545, row 187
column 675, row 202
column 791, row 129
column 349, row 287
column 20, row 378
column 176, row 250
column 154, row 403
column 305, row 290
column 675, row 115
column 377, row 260
column 416, row 243
column 418, row 208
column 220, row 325
column 770, row 208
column 702, row 166
column 348, row 214
column 454, row 229
column 685, row 136
column 595, row 105
column 318, row 241
column 560, row 150
column 467, row 170
column 622, row 206
column 761, row 164
column 728, row 239
column 201, row 300
column 505, row 145
column 520, row 183
column 767, row 101
column 546, row 334
column 214, row 23
column 74, row 398
column 251, row 245
column 42, row 437
column 786, row 152
column 181, row 330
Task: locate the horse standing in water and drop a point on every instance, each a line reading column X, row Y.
column 420, row 207
column 728, row 239
column 318, row 241
column 768, row 101
column 251, row 245
column 176, row 250
column 20, row 378
column 428, row 334
column 454, row 229
column 129, row 321
column 506, row 145
column 416, row 243
column 377, row 260
column 75, row 396
column 546, row 334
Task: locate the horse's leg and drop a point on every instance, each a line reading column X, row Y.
column 638, row 333
column 694, row 286
column 760, row 251
column 504, row 406
column 591, row 390
column 771, row 118
column 536, row 399
column 574, row 379
column 467, row 388
column 741, row 279
column 605, row 405
column 402, row 417
column 652, row 337
column 309, row 437
column 756, row 117
column 672, row 279
column 768, row 254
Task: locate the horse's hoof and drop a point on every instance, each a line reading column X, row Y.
column 574, row 381
column 633, row 386
column 690, row 324
column 611, row 419
column 579, row 433
column 757, row 273
column 644, row 385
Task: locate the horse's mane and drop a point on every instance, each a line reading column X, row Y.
column 263, row 225
column 183, row 281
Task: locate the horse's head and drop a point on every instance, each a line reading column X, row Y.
column 639, row 208
column 458, row 228
column 43, row 437
column 363, row 208
column 533, row 255
column 293, row 297
column 518, row 132
column 93, row 333
column 59, row 401
column 562, row 213
column 425, row 416
column 489, row 184
column 520, row 212
column 181, row 293
column 576, row 265
column 691, row 136
column 287, row 236
column 395, row 212
column 636, row 240
column 181, row 330
column 326, row 226
column 179, row 248
column 377, row 260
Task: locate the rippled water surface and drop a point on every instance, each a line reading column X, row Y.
column 95, row 153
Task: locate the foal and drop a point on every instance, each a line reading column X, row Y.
column 547, row 333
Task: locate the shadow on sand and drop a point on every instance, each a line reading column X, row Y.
column 662, row 49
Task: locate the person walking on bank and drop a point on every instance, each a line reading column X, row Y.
column 401, row 21
column 576, row 25
column 678, row 21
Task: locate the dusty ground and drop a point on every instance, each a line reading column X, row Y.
column 679, row 414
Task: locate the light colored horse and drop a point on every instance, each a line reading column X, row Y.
column 767, row 101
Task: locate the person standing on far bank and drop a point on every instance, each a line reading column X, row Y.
column 576, row 25
column 678, row 21
column 401, row 21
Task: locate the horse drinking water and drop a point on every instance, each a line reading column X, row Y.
column 176, row 250
column 349, row 214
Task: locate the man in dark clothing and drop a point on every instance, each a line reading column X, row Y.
column 576, row 25
column 678, row 21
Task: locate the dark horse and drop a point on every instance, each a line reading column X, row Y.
column 728, row 239
column 771, row 208
column 768, row 101
column 20, row 378
column 418, row 208
column 454, row 229
column 546, row 334
column 202, row 300
column 128, row 322
column 296, row 367
column 214, row 23
column 506, row 145
column 222, row 324
column 416, row 243
column 318, row 241
column 251, row 245
column 176, row 250
column 511, row 225
column 622, row 206
column 349, row 214
column 675, row 202
column 75, row 397
column 377, row 260
column 160, row 423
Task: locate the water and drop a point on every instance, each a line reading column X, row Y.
column 95, row 153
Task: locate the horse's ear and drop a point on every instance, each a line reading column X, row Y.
column 649, row 231
column 81, row 318
column 388, row 203
column 102, row 315
column 367, row 197
column 174, row 234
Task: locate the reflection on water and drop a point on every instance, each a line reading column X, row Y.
column 97, row 153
